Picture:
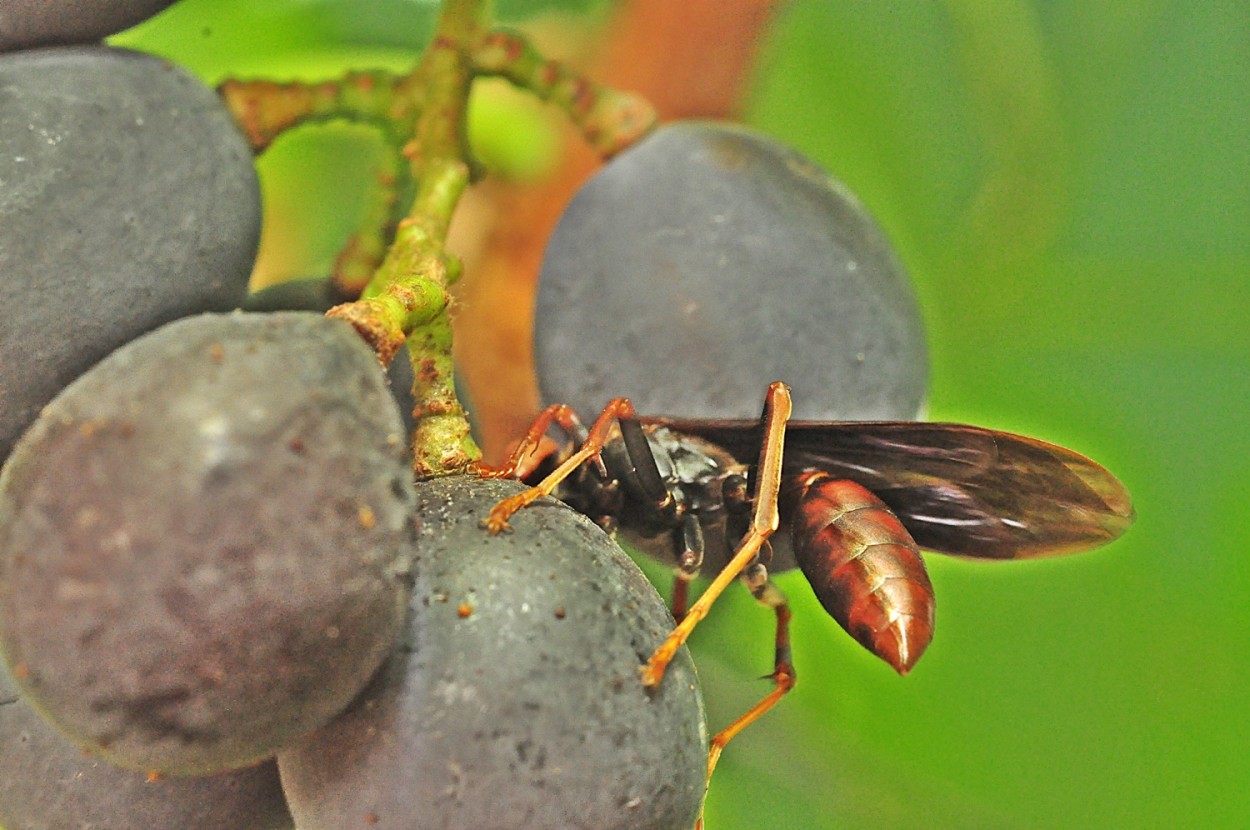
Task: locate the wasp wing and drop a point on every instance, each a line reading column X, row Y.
column 958, row 489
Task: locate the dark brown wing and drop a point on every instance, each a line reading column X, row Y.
column 958, row 489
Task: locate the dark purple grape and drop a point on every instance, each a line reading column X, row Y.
column 27, row 23
column 708, row 261
column 205, row 541
column 318, row 294
column 309, row 294
column 515, row 703
column 48, row 783
column 128, row 200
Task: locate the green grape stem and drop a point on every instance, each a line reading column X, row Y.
column 408, row 295
column 365, row 249
column 265, row 109
column 401, row 270
column 438, row 412
column 610, row 120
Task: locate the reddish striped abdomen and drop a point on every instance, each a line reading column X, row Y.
column 863, row 565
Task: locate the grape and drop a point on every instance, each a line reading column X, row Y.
column 515, row 703
column 310, row 294
column 205, row 541
column 127, row 199
column 318, row 294
column 47, row 783
column 26, row 23
column 708, row 261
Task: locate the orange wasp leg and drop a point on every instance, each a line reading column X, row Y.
column 497, row 521
column 680, row 600
column 532, row 443
column 764, row 521
column 783, row 675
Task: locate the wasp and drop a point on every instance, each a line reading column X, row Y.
column 850, row 504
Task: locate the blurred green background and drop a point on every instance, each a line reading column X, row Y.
column 1069, row 183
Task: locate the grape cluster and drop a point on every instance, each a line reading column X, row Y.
column 215, row 567
column 128, row 200
column 208, row 525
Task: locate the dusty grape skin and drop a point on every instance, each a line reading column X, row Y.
column 516, row 702
column 318, row 294
column 205, row 541
column 708, row 261
column 304, row 294
column 129, row 199
column 28, row 23
column 48, row 783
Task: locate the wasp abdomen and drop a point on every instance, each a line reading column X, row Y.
column 863, row 565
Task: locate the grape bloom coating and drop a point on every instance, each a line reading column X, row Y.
column 514, row 702
column 710, row 260
column 206, row 541
column 128, row 199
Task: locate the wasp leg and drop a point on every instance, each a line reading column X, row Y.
column 643, row 471
column 689, row 542
column 783, row 675
column 644, row 475
column 497, row 521
column 680, row 599
column 534, row 447
column 764, row 521
column 738, row 506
